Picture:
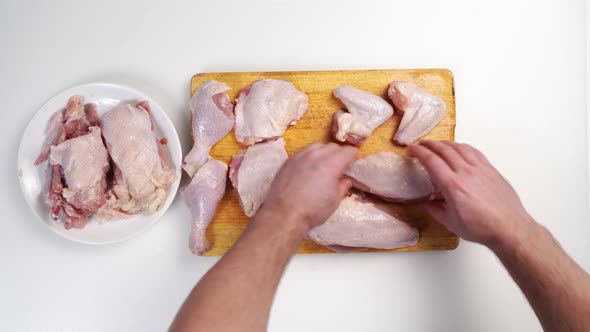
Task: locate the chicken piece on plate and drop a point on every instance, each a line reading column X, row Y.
column 392, row 177
column 212, row 118
column 73, row 122
column 357, row 224
column 422, row 111
column 366, row 112
column 84, row 162
column 142, row 175
column 55, row 135
column 266, row 109
column 202, row 195
column 252, row 171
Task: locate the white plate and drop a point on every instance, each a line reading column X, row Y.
column 33, row 178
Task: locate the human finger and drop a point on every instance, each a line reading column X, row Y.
column 340, row 158
column 438, row 211
column 344, row 186
column 447, row 153
column 438, row 169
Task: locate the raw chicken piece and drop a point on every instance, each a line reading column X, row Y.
column 252, row 171
column 142, row 176
column 212, row 118
column 84, row 163
column 358, row 224
column 202, row 195
column 266, row 109
column 76, row 176
column 392, row 177
column 55, row 135
column 422, row 111
column 75, row 122
column 365, row 113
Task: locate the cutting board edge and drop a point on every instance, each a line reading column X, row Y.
column 442, row 71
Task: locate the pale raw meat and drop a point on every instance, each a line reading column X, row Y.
column 422, row 111
column 76, row 175
column 202, row 195
column 392, row 177
column 252, row 171
column 73, row 122
column 266, row 109
column 142, row 176
column 212, row 118
column 358, row 224
column 83, row 161
column 366, row 112
column 55, row 132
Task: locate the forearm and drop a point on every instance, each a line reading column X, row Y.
column 555, row 286
column 237, row 293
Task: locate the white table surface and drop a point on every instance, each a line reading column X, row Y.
column 520, row 70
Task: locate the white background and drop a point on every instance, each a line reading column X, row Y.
column 520, row 70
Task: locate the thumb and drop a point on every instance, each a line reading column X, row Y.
column 344, row 186
column 438, row 211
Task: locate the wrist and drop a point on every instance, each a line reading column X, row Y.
column 279, row 222
column 509, row 239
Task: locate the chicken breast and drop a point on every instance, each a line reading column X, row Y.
column 83, row 161
column 201, row 196
column 366, row 112
column 142, row 176
column 358, row 224
column 266, row 109
column 422, row 111
column 212, row 118
column 392, row 177
column 252, row 171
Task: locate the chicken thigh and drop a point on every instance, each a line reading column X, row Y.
column 252, row 171
column 142, row 175
column 392, row 177
column 202, row 195
column 212, row 118
column 358, row 224
column 266, row 109
column 366, row 112
column 422, row 111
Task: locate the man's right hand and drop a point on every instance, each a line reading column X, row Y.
column 479, row 204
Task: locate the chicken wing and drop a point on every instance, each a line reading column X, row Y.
column 422, row 111
column 212, row 118
column 266, row 109
column 366, row 112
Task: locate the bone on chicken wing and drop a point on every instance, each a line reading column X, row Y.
column 83, row 162
column 422, row 111
column 358, row 223
column 392, row 177
column 366, row 112
column 266, row 109
column 212, row 118
column 252, row 171
column 202, row 195
column 142, row 173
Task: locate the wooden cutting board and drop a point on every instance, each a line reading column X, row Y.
column 230, row 221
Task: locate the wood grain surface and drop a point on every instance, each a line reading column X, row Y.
column 230, row 220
